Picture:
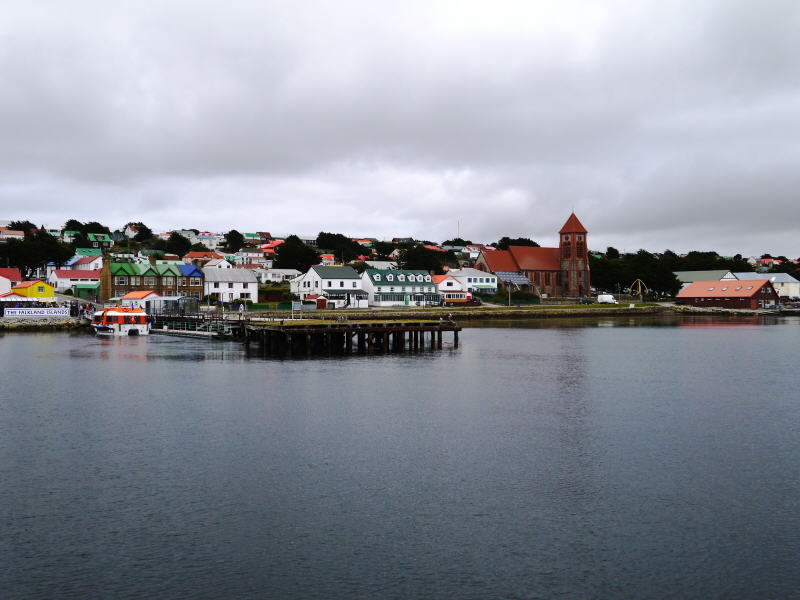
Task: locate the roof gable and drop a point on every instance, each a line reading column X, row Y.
column 573, row 225
column 123, row 269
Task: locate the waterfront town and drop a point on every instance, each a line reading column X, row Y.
column 89, row 263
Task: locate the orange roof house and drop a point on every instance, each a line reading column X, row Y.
column 749, row 294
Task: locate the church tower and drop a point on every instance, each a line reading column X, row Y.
column 574, row 259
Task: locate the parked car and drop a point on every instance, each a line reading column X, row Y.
column 606, row 299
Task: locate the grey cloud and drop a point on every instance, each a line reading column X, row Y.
column 375, row 118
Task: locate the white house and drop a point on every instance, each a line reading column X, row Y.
column 230, row 284
column 65, row 279
column 340, row 285
column 448, row 283
column 278, row 275
column 251, row 256
column 86, row 263
column 473, row 280
column 212, row 241
column 5, row 285
column 218, row 263
column 399, row 287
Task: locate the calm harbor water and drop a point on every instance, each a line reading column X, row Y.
column 610, row 458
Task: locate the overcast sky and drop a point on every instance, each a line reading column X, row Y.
column 662, row 124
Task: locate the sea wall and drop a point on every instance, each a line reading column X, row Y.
column 42, row 324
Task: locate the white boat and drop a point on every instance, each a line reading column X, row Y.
column 121, row 321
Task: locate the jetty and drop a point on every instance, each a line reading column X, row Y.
column 305, row 337
column 288, row 337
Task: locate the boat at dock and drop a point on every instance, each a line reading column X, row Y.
column 121, row 321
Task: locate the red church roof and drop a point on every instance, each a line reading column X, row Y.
column 531, row 258
column 500, row 260
column 522, row 258
column 573, row 225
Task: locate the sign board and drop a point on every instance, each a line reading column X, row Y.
column 297, row 305
column 37, row 312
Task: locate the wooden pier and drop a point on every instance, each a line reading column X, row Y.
column 309, row 338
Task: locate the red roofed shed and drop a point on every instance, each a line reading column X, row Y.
column 750, row 294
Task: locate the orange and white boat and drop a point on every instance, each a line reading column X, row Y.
column 121, row 321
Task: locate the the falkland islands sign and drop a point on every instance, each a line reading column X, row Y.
column 37, row 312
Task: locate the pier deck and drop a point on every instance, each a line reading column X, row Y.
column 307, row 338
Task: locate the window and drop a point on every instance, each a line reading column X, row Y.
column 330, row 284
column 401, row 277
column 168, row 281
column 134, row 281
column 120, row 280
column 230, row 286
column 377, row 277
column 449, row 284
column 149, row 280
column 181, row 281
column 195, row 281
column 427, row 277
column 391, row 289
column 390, row 278
column 216, row 285
column 244, row 286
column 341, row 284
column 316, row 284
column 354, row 284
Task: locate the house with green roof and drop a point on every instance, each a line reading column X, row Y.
column 400, row 287
column 341, row 286
column 68, row 235
column 89, row 251
column 100, row 240
column 120, row 278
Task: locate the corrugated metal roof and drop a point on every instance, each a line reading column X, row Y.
column 230, row 275
column 690, row 276
column 774, row 277
column 336, row 272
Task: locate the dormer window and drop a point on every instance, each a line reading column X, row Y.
column 390, row 277
column 427, row 277
column 377, row 276
column 566, row 238
column 401, row 277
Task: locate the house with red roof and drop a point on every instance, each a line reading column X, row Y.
column 11, row 274
column 87, row 263
column 66, row 279
column 751, row 294
column 561, row 271
column 200, row 258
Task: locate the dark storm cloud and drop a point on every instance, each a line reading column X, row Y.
column 663, row 125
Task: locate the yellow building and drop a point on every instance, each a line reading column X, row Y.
column 34, row 290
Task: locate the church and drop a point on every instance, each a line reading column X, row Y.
column 562, row 271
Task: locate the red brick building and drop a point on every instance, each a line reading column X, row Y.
column 562, row 271
column 750, row 294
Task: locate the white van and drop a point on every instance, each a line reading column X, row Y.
column 606, row 299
